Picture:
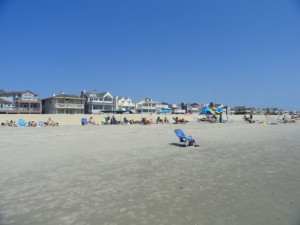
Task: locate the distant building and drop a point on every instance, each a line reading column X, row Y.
column 162, row 107
column 178, row 109
column 25, row 102
column 193, row 108
column 95, row 103
column 63, row 104
column 146, row 105
column 242, row 110
column 124, row 103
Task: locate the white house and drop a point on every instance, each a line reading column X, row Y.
column 146, row 105
column 161, row 106
column 96, row 103
column 124, row 103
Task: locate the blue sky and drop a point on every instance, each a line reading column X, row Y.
column 235, row 52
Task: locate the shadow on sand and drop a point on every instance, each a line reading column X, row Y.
column 182, row 145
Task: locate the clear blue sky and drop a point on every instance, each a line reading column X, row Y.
column 237, row 52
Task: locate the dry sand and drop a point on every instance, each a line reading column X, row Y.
column 242, row 174
column 74, row 119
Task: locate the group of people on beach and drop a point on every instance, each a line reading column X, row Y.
column 284, row 119
column 30, row 123
column 111, row 120
column 211, row 118
column 10, row 123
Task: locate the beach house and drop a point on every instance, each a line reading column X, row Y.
column 146, row 105
column 124, row 103
column 242, row 110
column 63, row 104
column 193, row 108
column 163, row 107
column 25, row 102
column 95, row 103
column 178, row 108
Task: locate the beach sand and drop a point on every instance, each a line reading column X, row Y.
column 241, row 174
column 75, row 119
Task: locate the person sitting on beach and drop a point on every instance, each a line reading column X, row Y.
column 145, row 121
column 249, row 119
column 182, row 120
column 14, row 124
column 125, row 120
column 159, row 120
column 91, row 121
column 176, row 120
column 49, row 122
column 285, row 119
column 113, row 120
column 166, row 120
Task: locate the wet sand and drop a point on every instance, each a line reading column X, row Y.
column 241, row 174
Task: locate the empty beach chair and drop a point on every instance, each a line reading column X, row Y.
column 187, row 140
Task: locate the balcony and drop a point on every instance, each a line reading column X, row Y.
column 142, row 107
column 100, row 101
column 68, row 106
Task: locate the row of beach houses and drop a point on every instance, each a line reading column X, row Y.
column 27, row 102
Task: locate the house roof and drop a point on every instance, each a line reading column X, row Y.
column 121, row 97
column 65, row 96
column 146, row 100
column 16, row 92
column 195, row 104
column 2, row 101
column 99, row 95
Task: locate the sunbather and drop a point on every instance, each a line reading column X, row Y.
column 159, row 120
column 166, row 120
column 92, row 122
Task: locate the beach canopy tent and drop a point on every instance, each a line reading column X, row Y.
column 207, row 111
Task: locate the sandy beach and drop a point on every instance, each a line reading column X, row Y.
column 241, row 174
column 75, row 119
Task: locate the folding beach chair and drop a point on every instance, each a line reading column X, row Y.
column 84, row 121
column 187, row 140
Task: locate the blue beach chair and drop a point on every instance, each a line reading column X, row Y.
column 187, row 140
column 84, row 121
